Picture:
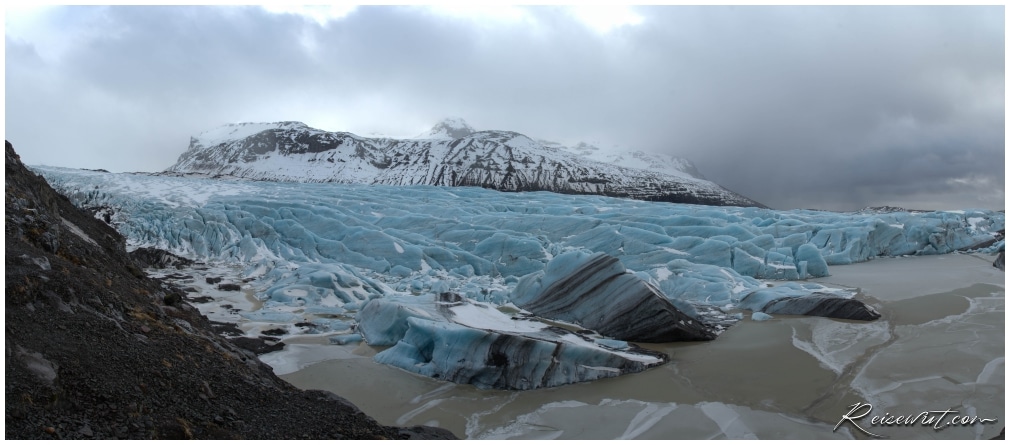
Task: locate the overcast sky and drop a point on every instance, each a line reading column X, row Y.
column 796, row 107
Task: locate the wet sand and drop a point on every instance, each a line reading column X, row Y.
column 939, row 345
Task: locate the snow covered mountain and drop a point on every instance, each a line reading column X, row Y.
column 450, row 154
column 657, row 162
column 449, row 128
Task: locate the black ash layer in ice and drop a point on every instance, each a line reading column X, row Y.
column 597, row 292
column 449, row 337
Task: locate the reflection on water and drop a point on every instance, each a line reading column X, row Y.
column 938, row 346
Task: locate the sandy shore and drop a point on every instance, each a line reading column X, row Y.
column 939, row 346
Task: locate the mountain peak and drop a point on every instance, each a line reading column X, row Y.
column 449, row 128
column 237, row 131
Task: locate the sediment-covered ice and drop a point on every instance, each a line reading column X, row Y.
column 808, row 299
column 595, row 291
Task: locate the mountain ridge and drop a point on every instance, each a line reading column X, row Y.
column 451, row 154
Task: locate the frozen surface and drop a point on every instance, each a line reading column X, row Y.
column 651, row 420
column 317, row 254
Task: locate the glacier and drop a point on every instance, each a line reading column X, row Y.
column 339, row 259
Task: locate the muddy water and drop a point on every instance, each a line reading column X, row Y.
column 939, row 346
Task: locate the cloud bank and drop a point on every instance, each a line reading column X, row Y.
column 816, row 107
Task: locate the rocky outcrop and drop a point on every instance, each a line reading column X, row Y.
column 92, row 351
column 150, row 257
column 596, row 291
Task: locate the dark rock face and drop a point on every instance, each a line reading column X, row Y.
column 92, row 352
column 999, row 261
column 819, row 305
column 150, row 257
column 232, row 287
column 600, row 294
column 258, row 346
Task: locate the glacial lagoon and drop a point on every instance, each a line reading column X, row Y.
column 939, row 345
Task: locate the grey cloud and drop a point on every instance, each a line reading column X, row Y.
column 830, row 107
column 191, row 48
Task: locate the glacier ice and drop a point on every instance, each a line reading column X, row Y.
column 501, row 360
column 814, row 264
column 383, row 322
column 344, row 339
column 595, row 291
column 448, row 337
column 317, row 251
column 808, row 299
